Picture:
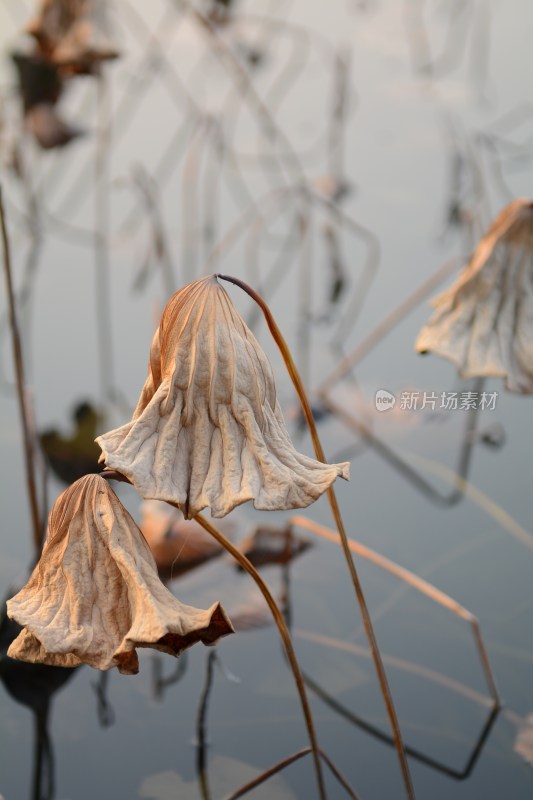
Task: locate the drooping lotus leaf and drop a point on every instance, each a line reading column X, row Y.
column 208, row 430
column 95, row 596
column 484, row 322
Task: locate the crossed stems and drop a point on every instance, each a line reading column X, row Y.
column 365, row 614
column 278, row 618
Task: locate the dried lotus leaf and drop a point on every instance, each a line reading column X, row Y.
column 95, row 596
column 208, row 430
column 484, row 323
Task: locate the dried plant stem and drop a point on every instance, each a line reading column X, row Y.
column 285, row 636
column 286, row 762
column 21, row 384
column 421, row 585
column 248, row 567
column 288, row 160
column 268, row 773
column 367, row 622
column 101, row 249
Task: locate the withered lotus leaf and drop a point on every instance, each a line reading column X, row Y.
column 208, row 430
column 73, row 33
column 95, row 596
column 484, row 322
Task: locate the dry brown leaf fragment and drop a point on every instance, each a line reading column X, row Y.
column 269, row 545
column 178, row 545
column 208, row 430
column 95, row 596
column 484, row 322
column 74, row 34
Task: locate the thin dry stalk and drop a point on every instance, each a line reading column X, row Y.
column 386, row 325
column 251, row 216
column 161, row 251
column 268, row 773
column 342, row 220
column 303, row 309
column 286, row 762
column 415, row 582
column 189, row 200
column 101, row 249
column 126, row 107
column 289, row 160
column 285, row 636
column 373, row 730
column 340, row 777
column 367, row 622
column 401, row 664
column 28, row 439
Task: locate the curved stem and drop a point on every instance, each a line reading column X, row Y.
column 29, row 450
column 285, row 636
column 365, row 614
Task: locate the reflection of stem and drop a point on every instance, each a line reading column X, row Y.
column 43, row 784
column 363, row 430
column 344, row 712
column 402, row 664
column 106, row 715
column 304, row 295
column 386, row 325
column 161, row 682
column 101, row 249
column 417, row 583
column 160, row 246
column 278, row 270
column 201, row 760
column 289, row 159
column 285, row 604
column 190, row 206
column 338, row 115
column 367, row 622
column 285, row 636
column 487, row 504
column 21, row 390
column 129, row 104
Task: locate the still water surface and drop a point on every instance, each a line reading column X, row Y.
column 413, row 145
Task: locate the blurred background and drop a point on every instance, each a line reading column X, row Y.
column 343, row 158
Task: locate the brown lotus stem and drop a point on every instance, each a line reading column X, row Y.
column 21, row 390
column 286, row 762
column 268, row 773
column 285, row 636
column 367, row 622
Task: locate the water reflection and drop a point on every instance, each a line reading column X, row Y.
column 72, row 457
column 34, row 686
column 225, row 159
